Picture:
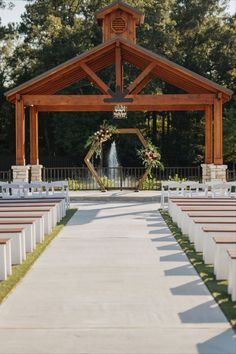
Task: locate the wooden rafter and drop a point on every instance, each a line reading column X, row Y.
column 95, row 79
column 141, row 77
column 119, row 68
column 142, row 84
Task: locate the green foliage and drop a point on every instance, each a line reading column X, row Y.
column 150, row 156
column 176, row 178
column 218, row 288
column 76, row 185
column 108, row 183
column 151, row 183
column 103, row 134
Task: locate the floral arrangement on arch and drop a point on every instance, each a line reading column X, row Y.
column 103, row 134
column 150, row 156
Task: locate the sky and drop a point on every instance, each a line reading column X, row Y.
column 14, row 14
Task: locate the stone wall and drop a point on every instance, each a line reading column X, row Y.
column 211, row 173
column 20, row 173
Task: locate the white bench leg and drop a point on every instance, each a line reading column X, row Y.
column 18, row 253
column 9, row 260
column 221, row 262
column 233, row 292
column 3, row 262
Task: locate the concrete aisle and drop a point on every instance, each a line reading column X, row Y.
column 114, row 281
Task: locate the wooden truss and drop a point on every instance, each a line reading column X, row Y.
column 95, row 146
column 41, row 93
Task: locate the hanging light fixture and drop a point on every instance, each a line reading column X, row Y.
column 120, row 112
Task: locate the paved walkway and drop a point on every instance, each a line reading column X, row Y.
column 114, row 281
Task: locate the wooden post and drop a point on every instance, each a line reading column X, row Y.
column 218, row 133
column 34, row 153
column 20, row 131
column 208, row 135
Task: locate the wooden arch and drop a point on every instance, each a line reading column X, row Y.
column 41, row 93
column 94, row 147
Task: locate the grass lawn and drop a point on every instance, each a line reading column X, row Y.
column 19, row 271
column 218, row 288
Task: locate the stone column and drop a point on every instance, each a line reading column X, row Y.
column 36, row 173
column 20, row 173
column 212, row 172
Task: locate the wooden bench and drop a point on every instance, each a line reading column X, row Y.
column 29, row 227
column 221, row 260
column 195, row 225
column 17, row 236
column 179, row 208
column 174, row 204
column 59, row 202
column 217, row 210
column 224, row 216
column 5, row 258
column 46, row 213
column 208, row 243
column 37, row 218
column 232, row 274
column 55, row 208
column 49, row 215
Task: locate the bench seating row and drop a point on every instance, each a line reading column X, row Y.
column 23, row 224
column 192, row 189
column 210, row 225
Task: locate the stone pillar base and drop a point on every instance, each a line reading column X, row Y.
column 36, row 173
column 20, row 173
column 211, row 172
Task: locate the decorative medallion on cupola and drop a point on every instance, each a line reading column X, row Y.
column 119, row 20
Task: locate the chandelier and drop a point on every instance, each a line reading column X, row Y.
column 120, row 112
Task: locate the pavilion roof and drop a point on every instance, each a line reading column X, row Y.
column 120, row 5
column 102, row 56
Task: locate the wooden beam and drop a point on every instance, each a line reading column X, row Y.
column 142, row 84
column 109, row 108
column 218, row 132
column 208, row 134
column 119, row 68
column 34, row 152
column 95, row 79
column 146, row 101
column 141, row 77
column 135, row 131
column 20, row 131
column 176, row 69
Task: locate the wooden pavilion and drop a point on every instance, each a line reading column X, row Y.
column 119, row 22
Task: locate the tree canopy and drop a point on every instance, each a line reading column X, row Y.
column 198, row 34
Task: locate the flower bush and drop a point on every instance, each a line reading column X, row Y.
column 103, row 134
column 150, row 156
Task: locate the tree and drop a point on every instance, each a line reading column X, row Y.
column 197, row 34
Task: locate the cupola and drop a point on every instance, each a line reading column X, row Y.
column 119, row 20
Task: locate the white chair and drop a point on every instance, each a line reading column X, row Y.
column 171, row 189
column 221, row 190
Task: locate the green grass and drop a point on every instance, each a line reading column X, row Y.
column 218, row 288
column 19, row 271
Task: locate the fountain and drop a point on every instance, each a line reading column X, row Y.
column 113, row 163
